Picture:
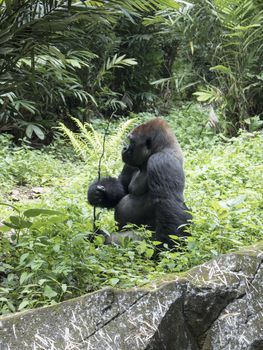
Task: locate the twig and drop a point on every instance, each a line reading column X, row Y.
column 103, row 144
column 99, row 165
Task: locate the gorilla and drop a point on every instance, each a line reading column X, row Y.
column 149, row 189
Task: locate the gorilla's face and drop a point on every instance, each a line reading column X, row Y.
column 137, row 151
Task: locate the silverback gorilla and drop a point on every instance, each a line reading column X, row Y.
column 149, row 189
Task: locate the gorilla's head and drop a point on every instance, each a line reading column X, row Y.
column 137, row 151
column 147, row 139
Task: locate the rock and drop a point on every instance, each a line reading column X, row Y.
column 215, row 306
column 24, row 193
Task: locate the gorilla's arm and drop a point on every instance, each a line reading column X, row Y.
column 166, row 185
column 107, row 192
column 126, row 176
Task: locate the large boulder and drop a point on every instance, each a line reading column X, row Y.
column 215, row 306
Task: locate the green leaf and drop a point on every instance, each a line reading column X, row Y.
column 156, row 243
column 244, row 28
column 23, row 304
column 99, row 240
column 9, row 224
column 56, row 248
column 36, row 212
column 141, row 248
column 149, row 252
column 23, row 257
column 2, row 299
column 24, row 277
column 31, row 128
column 29, row 131
column 74, row 63
column 4, row 228
column 42, row 281
column 221, row 68
column 40, row 134
column 202, row 96
column 174, row 237
column 64, row 287
column 114, row 281
column 11, row 206
column 49, row 292
column 19, row 222
column 11, row 306
column 36, row 264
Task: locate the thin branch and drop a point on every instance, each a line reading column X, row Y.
column 99, row 165
column 103, row 144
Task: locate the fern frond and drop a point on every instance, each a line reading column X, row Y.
column 92, row 138
column 76, row 142
column 88, row 143
column 97, row 138
column 116, row 140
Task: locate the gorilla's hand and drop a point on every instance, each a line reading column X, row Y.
column 96, row 194
column 106, row 193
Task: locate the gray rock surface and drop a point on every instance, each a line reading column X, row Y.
column 215, row 306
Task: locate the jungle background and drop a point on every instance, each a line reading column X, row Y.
column 66, row 69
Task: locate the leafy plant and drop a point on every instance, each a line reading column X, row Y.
column 58, row 59
column 88, row 143
column 22, row 221
column 236, row 62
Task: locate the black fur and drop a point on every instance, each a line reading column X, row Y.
column 106, row 193
column 149, row 190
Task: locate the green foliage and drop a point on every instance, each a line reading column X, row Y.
column 234, row 54
column 45, row 251
column 85, row 59
column 88, row 143
column 225, row 193
column 48, row 258
column 19, row 166
column 192, row 125
column 60, row 58
column 214, row 47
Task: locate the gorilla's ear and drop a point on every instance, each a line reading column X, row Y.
column 149, row 143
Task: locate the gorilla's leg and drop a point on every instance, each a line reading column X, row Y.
column 135, row 210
